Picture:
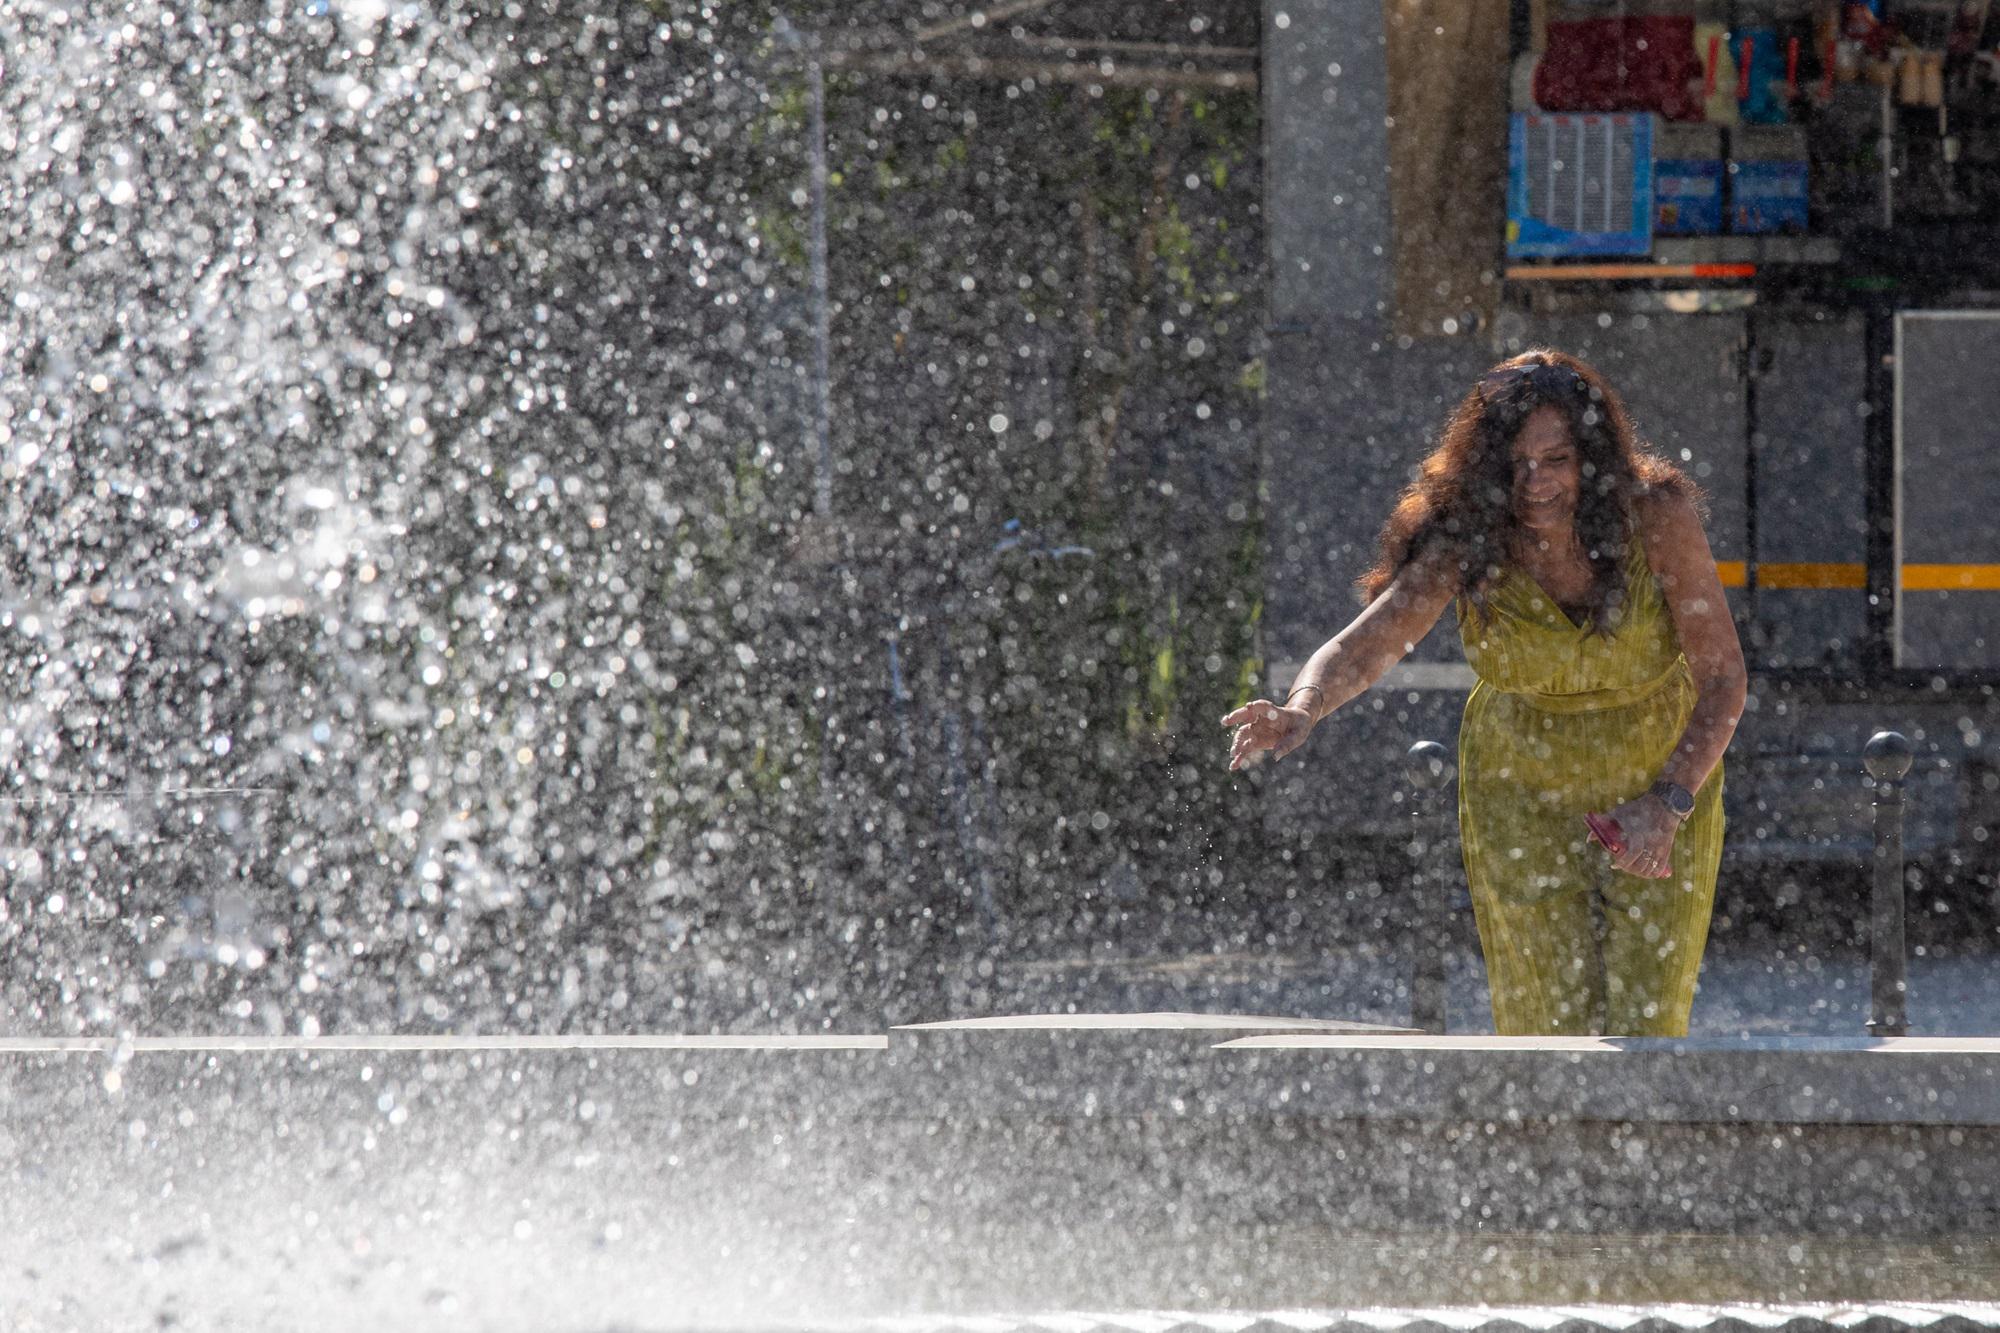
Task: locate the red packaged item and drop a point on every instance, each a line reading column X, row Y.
column 1621, row 64
column 1605, row 832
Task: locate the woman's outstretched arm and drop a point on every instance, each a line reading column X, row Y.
column 1349, row 662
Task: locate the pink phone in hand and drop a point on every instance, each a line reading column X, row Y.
column 1604, row 831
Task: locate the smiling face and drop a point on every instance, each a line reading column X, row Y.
column 1547, row 475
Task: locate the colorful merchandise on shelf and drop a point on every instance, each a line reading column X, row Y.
column 1621, row 64
column 1688, row 179
column 1579, row 185
column 1768, row 180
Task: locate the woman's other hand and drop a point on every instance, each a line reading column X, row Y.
column 1262, row 725
column 1649, row 829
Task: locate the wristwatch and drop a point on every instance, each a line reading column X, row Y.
column 1677, row 798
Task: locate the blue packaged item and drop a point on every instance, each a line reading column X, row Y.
column 1687, row 196
column 1767, row 197
column 1766, row 104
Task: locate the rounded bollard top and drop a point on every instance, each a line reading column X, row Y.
column 1428, row 765
column 1887, row 756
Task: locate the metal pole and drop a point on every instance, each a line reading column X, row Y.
column 1885, row 146
column 807, row 43
column 830, row 740
column 1887, row 758
column 1752, row 429
column 1429, row 770
column 822, row 320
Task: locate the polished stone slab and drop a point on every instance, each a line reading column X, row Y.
column 1226, row 1064
column 1773, row 1080
column 365, row 1041
column 1150, row 1022
column 1229, row 1064
column 1085, row 1064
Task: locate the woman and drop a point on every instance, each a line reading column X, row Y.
column 1610, row 683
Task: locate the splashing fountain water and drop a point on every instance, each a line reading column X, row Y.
column 355, row 408
column 411, row 535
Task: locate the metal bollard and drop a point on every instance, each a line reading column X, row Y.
column 1429, row 768
column 1887, row 759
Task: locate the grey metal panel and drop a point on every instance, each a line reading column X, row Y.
column 1679, row 377
column 1947, row 434
column 1798, row 791
column 1950, row 629
column 1808, row 627
column 1812, row 500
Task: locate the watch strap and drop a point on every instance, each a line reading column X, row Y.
column 1676, row 798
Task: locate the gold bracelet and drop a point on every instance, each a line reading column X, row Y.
column 1298, row 688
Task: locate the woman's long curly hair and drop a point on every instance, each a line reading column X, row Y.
column 1460, row 507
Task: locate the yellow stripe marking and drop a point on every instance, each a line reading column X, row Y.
column 1805, row 574
column 1951, row 578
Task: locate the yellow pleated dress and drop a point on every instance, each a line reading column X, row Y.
column 1565, row 721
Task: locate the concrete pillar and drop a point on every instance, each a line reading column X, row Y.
column 1347, row 408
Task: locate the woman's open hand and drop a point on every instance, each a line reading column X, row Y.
column 1649, row 829
column 1262, row 725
